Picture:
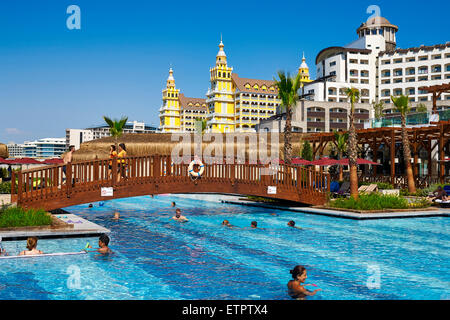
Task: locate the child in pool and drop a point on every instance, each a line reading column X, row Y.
column 103, row 242
column 296, row 287
column 31, row 246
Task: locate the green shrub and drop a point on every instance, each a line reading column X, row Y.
column 385, row 186
column 19, row 217
column 5, row 187
column 372, row 201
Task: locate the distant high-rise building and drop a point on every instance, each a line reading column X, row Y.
column 76, row 137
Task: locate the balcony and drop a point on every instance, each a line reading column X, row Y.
column 364, row 116
column 338, row 125
column 318, row 114
column 340, row 115
column 316, row 124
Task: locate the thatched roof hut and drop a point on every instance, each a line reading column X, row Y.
column 164, row 143
column 3, row 151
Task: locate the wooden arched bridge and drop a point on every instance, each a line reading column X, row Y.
column 83, row 182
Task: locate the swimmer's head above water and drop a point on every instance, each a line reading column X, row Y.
column 291, row 223
column 299, row 273
column 254, row 224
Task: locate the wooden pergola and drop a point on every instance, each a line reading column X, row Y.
column 427, row 137
column 436, row 91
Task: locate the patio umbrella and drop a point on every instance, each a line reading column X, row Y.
column 300, row 162
column 325, row 162
column 53, row 161
column 345, row 162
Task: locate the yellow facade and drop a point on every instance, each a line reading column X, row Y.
column 303, row 70
column 232, row 104
column 169, row 113
column 220, row 99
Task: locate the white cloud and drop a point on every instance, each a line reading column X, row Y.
column 13, row 131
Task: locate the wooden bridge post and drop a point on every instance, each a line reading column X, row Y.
column 69, row 179
column 169, row 165
column 19, row 187
column 114, row 169
column 157, row 165
column 13, row 184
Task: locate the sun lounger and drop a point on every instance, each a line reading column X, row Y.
column 343, row 190
column 363, row 188
column 443, row 204
column 371, row 188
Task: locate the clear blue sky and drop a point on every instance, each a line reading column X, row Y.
column 53, row 78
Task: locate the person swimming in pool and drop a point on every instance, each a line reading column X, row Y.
column 179, row 217
column 31, row 246
column 296, row 288
column 116, row 215
column 227, row 223
column 103, row 242
column 173, row 204
column 292, row 225
column 254, row 225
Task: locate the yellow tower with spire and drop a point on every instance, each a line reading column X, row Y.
column 303, row 70
column 220, row 99
column 169, row 113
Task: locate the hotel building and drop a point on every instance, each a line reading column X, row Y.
column 44, row 148
column 373, row 65
column 76, row 137
column 232, row 104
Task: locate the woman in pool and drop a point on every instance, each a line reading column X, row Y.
column 296, row 287
column 31, row 246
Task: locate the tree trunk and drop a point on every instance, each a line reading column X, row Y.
column 287, row 137
column 341, row 169
column 352, row 157
column 407, row 158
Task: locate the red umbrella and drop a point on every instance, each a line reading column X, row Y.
column 53, row 161
column 25, row 161
column 345, row 162
column 325, row 162
column 301, row 162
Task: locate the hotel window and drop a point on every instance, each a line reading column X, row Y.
column 333, row 63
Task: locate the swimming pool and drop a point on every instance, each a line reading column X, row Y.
column 156, row 258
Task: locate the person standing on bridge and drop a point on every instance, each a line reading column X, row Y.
column 67, row 158
column 121, row 161
column 112, row 155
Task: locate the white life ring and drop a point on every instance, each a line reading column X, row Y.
column 191, row 168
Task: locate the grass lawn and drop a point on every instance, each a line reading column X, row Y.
column 18, row 217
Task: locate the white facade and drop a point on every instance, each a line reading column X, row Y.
column 405, row 71
column 15, row 150
column 372, row 65
column 75, row 137
column 44, row 148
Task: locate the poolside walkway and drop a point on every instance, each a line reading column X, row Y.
column 81, row 228
column 238, row 200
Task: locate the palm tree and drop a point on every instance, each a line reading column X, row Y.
column 200, row 125
column 288, row 92
column 378, row 109
column 341, row 146
column 116, row 127
column 402, row 105
column 353, row 95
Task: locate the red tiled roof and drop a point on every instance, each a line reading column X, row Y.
column 241, row 82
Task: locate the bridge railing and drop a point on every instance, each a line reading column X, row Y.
column 53, row 182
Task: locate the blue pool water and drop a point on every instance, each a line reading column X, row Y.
column 156, row 258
